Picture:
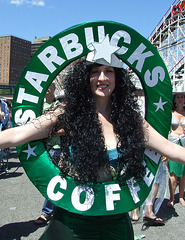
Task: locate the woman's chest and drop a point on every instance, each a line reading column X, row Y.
column 109, row 135
column 179, row 118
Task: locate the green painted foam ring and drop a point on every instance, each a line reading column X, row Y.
column 53, row 56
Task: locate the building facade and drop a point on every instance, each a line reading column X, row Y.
column 15, row 53
column 37, row 42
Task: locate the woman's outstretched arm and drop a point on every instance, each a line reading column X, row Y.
column 34, row 130
column 158, row 143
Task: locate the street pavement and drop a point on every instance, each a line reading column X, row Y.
column 21, row 204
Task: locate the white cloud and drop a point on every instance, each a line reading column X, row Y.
column 29, row 2
column 18, row 2
column 38, row 3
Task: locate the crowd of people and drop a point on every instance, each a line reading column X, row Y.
column 5, row 121
column 5, row 113
column 107, row 94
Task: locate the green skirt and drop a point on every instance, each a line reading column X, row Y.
column 71, row 226
column 177, row 168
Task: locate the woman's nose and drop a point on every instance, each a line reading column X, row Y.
column 101, row 76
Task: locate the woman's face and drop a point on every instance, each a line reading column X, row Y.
column 102, row 80
column 179, row 99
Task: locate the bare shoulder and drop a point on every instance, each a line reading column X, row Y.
column 53, row 113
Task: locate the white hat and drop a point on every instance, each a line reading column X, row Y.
column 179, row 89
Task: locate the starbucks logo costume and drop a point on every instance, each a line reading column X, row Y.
column 104, row 40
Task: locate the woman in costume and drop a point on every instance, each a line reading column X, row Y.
column 102, row 139
column 94, row 107
column 177, row 171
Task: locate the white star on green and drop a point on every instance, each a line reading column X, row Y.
column 30, row 151
column 104, row 50
column 160, row 105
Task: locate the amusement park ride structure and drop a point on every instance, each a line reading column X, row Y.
column 169, row 39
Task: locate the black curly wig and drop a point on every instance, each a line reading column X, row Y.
column 82, row 145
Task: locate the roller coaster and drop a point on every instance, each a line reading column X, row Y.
column 169, row 39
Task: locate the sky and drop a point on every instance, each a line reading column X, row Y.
column 28, row 19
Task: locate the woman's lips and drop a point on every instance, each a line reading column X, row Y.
column 102, row 86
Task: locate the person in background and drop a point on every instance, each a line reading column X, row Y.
column 53, row 147
column 150, row 207
column 4, row 118
column 177, row 170
column 4, row 114
column 147, row 212
column 9, row 104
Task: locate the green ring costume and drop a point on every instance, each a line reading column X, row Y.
column 107, row 200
